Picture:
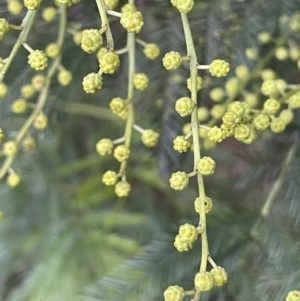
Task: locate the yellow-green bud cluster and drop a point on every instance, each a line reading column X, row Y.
column 293, row 296
column 150, row 138
column 207, row 203
column 206, row 166
column 122, row 189
column 198, row 83
column 186, row 237
column 104, row 147
column 181, row 144
column 121, row 153
column 183, row 6
column 110, row 178
column 151, row 51
column 219, row 68
column 132, row 21
column 174, row 293
column 32, row 4
column 92, row 82
column 179, row 180
column 4, row 28
column 37, row 60
column 91, row 40
column 109, row 63
column 19, row 106
column 184, row 106
column 172, row 60
column 140, row 81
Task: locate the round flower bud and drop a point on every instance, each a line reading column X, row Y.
column 230, row 119
column 237, row 107
column 13, row 180
column 286, row 116
column 182, row 246
column 269, row 87
column 64, row 77
column 151, row 51
column 10, row 148
column 181, row 144
column 179, row 180
column 128, row 8
column 203, row 113
column 251, row 100
column 14, row 7
column 19, row 106
column 184, row 6
column 77, row 36
column 104, row 147
column 281, row 53
column 121, row 153
column 219, row 68
column 251, row 137
column 281, row 85
column 188, row 233
column 109, row 63
column 174, row 293
column 271, row 106
column 220, row 276
column 49, row 13
column 150, row 138
column 217, row 111
column 186, row 128
column 140, row 81
column 207, row 203
column 38, row 82
column 277, row 125
column 52, row 50
column 206, row 166
column 215, row 134
column 117, row 105
column 132, row 21
column 172, row 60
column 32, row 4
column 251, row 53
column 110, row 178
column 242, row 132
column 261, row 122
column 204, row 281
column 101, row 52
column 4, row 27
column 293, row 296
column 37, row 60
column 267, row 74
column 294, row 101
column 184, row 106
column 198, row 83
column 40, row 121
column 91, row 40
column 111, row 4
column 227, row 130
column 294, row 53
column 92, row 82
column 264, row 37
column 217, row 94
column 242, row 72
column 123, row 114
column 1, row 216
column 28, row 144
column 122, row 189
column 232, row 87
column 3, row 89
column 27, row 91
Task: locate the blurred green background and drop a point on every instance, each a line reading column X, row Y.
column 65, row 236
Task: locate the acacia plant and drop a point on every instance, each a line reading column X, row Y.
column 223, row 100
